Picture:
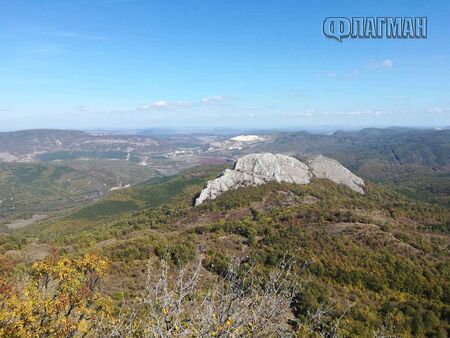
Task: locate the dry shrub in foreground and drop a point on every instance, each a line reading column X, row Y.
column 236, row 305
column 59, row 298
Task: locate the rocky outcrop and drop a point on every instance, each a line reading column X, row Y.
column 257, row 169
column 270, row 167
column 254, row 170
column 229, row 179
column 324, row 167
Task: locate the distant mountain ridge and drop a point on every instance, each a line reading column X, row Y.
column 395, row 145
column 32, row 142
column 429, row 147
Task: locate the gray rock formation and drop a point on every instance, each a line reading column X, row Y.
column 257, row 169
column 270, row 167
column 324, row 167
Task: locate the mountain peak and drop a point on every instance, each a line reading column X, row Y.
column 257, row 169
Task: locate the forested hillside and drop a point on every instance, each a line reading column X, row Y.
column 379, row 260
column 413, row 161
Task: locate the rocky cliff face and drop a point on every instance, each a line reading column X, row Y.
column 257, row 169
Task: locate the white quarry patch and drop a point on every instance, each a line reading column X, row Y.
column 248, row 138
column 120, row 187
column 237, row 142
column 257, row 169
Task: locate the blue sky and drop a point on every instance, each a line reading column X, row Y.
column 251, row 64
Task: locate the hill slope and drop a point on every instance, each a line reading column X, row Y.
column 381, row 257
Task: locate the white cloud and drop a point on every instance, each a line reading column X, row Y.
column 160, row 104
column 73, row 35
column 308, row 112
column 438, row 110
column 157, row 105
column 82, row 108
column 380, row 64
column 47, row 48
column 212, row 99
column 398, row 98
column 183, row 103
column 330, row 75
column 314, row 113
column 301, row 94
column 387, row 63
column 358, row 113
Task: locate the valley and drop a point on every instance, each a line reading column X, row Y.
column 45, row 171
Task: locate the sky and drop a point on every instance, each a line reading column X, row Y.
column 134, row 64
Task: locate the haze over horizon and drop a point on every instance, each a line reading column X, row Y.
column 135, row 64
column 221, row 130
